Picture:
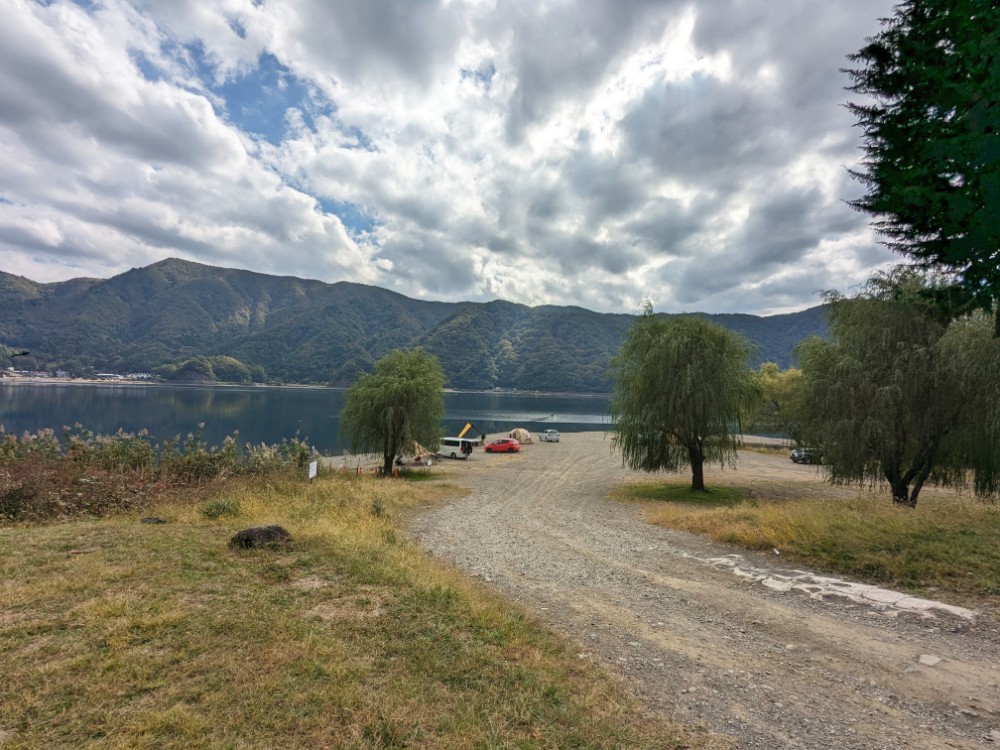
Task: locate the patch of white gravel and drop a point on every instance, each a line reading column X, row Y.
column 714, row 636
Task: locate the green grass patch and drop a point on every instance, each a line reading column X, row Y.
column 680, row 492
column 120, row 634
column 221, row 507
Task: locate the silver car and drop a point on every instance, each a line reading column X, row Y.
column 549, row 436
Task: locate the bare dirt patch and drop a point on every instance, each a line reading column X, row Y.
column 763, row 666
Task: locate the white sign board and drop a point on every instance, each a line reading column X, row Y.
column 312, row 469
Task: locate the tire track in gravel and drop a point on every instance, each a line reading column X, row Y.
column 765, row 668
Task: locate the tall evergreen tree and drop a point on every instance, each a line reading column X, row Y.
column 932, row 140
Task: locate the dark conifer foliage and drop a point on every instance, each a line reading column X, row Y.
column 931, row 124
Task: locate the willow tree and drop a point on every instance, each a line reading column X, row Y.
column 400, row 403
column 904, row 392
column 681, row 389
column 782, row 404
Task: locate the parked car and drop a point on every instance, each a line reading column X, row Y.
column 807, row 455
column 549, row 436
column 503, row 445
column 456, row 447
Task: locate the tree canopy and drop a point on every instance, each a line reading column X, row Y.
column 932, row 140
column 782, row 403
column 681, row 388
column 902, row 393
column 401, row 402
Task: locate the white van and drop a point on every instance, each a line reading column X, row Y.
column 456, row 447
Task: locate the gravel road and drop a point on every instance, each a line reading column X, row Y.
column 714, row 636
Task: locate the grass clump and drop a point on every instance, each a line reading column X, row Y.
column 947, row 545
column 221, row 507
column 122, row 634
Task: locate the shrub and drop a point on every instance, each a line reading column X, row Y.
column 48, row 489
column 123, row 451
column 43, row 478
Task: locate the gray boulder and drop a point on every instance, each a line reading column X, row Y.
column 257, row 537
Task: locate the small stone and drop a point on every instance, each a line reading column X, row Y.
column 969, row 712
column 929, row 660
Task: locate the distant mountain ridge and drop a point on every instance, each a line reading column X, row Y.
column 307, row 331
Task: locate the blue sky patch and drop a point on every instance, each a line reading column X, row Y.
column 257, row 100
column 238, row 28
column 483, row 75
column 361, row 141
column 87, row 5
column 354, row 217
column 149, row 71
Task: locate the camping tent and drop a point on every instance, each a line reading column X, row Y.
column 420, row 451
column 520, row 434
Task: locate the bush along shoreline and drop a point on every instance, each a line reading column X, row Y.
column 47, row 477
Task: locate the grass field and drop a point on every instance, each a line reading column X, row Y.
column 948, row 547
column 119, row 634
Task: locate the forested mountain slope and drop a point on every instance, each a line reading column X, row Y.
column 298, row 330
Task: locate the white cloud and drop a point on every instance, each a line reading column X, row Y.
column 592, row 153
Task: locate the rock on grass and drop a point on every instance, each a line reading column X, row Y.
column 257, row 537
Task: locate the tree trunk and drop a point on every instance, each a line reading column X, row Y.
column 696, row 457
column 388, row 456
column 698, row 475
column 901, row 494
column 919, row 483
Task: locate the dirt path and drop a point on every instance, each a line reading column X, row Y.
column 709, row 634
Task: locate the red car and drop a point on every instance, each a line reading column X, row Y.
column 503, row 445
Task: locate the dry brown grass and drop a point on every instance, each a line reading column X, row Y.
column 117, row 634
column 945, row 548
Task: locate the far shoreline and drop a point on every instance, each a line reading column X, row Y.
column 301, row 386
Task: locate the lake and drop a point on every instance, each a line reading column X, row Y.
column 267, row 414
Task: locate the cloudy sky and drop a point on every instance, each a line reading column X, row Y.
column 595, row 153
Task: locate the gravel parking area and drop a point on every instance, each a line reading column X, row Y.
column 709, row 634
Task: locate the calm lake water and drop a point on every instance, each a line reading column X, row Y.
column 267, row 414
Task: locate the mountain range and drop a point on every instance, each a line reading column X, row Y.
column 182, row 319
